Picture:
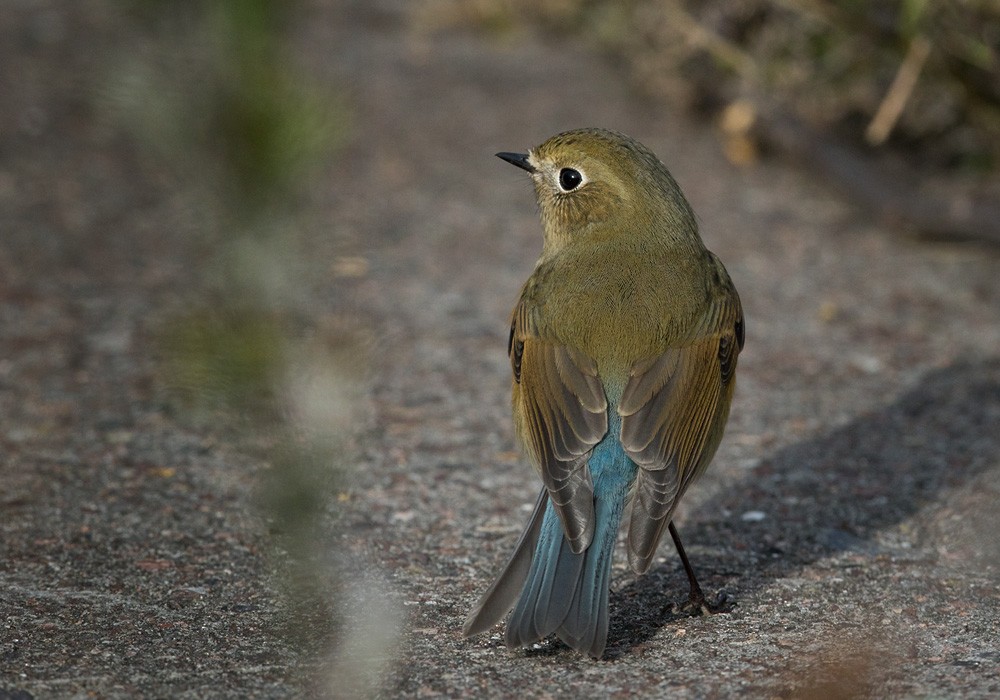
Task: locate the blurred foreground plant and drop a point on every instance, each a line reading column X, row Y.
column 210, row 89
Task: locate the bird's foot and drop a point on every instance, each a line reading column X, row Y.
column 698, row 604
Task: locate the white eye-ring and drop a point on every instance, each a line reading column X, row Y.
column 570, row 179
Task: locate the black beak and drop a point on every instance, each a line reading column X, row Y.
column 518, row 159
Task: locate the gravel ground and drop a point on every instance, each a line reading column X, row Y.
column 850, row 512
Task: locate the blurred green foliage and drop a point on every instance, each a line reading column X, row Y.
column 213, row 93
column 225, row 359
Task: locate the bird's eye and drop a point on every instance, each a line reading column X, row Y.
column 569, row 179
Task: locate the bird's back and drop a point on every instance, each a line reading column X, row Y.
column 620, row 302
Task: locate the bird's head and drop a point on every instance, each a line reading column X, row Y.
column 598, row 183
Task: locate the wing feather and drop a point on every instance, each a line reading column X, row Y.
column 674, row 408
column 562, row 413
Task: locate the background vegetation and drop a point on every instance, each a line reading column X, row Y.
column 905, row 94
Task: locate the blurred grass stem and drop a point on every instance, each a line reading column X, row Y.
column 899, row 92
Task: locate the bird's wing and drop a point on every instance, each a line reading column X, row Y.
column 674, row 409
column 561, row 412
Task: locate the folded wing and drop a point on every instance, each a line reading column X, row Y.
column 562, row 414
column 674, row 409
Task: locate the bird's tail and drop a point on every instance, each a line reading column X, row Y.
column 560, row 592
column 566, row 593
column 500, row 597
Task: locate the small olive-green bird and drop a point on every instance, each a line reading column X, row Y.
column 623, row 348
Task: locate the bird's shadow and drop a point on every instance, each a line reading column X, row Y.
column 827, row 495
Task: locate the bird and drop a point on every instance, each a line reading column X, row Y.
column 623, row 348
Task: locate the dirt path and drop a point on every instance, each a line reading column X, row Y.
column 849, row 511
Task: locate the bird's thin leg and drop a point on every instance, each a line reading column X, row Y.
column 696, row 599
column 697, row 603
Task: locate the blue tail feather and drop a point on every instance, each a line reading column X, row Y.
column 543, row 604
column 567, row 593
